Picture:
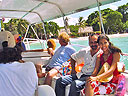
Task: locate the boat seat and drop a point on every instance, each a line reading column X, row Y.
column 36, row 57
column 45, row 90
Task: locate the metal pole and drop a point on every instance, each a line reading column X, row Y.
column 44, row 31
column 100, row 17
column 0, row 24
column 65, row 25
column 26, row 33
column 44, row 34
column 28, row 45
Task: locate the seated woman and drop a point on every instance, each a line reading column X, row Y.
column 111, row 55
column 18, row 39
column 51, row 47
column 18, row 78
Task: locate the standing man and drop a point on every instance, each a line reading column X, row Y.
column 88, row 56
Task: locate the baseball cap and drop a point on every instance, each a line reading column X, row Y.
column 7, row 36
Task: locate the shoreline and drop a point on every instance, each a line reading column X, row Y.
column 110, row 36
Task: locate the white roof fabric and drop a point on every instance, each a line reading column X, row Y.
column 35, row 10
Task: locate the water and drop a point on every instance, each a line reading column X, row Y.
column 120, row 42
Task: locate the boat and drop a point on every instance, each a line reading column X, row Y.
column 36, row 11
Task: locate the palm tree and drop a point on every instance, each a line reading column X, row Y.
column 66, row 22
column 81, row 23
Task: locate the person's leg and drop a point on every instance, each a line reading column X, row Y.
column 39, row 70
column 77, row 86
column 88, row 89
column 49, row 76
column 62, row 82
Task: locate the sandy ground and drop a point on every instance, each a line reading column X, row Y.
column 119, row 35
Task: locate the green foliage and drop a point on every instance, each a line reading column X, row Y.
column 74, row 30
column 53, row 27
column 94, row 19
column 16, row 26
column 81, row 23
column 19, row 26
column 124, row 11
column 114, row 22
column 125, row 25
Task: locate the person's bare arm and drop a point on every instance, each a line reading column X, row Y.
column 116, row 58
column 73, row 62
column 124, row 54
column 36, row 50
column 97, row 66
column 50, row 51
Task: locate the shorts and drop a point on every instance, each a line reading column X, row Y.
column 58, row 68
column 103, row 88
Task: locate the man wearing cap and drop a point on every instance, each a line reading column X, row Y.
column 16, row 78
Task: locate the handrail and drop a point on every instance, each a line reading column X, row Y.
column 25, row 37
column 37, row 36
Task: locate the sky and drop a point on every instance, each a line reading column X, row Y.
column 73, row 19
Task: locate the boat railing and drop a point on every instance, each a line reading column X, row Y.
column 29, row 41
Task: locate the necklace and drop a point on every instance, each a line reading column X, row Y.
column 105, row 56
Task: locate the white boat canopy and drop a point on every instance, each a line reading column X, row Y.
column 37, row 10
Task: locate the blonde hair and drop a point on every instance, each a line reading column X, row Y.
column 51, row 44
column 64, row 36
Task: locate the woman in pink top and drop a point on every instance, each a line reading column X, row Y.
column 110, row 55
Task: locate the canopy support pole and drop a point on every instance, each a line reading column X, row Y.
column 100, row 17
column 65, row 25
column 44, row 31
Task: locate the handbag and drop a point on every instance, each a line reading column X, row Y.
column 120, row 88
column 103, row 69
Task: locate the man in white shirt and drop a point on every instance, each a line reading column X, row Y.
column 17, row 78
column 77, row 81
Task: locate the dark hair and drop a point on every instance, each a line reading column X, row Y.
column 5, row 44
column 111, row 46
column 91, row 36
column 19, row 45
column 8, row 55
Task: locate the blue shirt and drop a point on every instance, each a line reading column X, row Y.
column 62, row 54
